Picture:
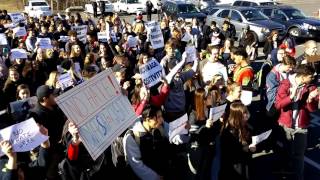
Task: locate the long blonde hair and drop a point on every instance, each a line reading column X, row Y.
column 52, row 80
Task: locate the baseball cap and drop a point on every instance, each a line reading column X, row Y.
column 44, row 91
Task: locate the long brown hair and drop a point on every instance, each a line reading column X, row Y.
column 199, row 102
column 236, row 122
column 273, row 32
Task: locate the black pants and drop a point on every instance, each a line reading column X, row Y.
column 149, row 14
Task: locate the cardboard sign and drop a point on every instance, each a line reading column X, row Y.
column 18, row 54
column 81, row 32
column 44, row 43
column 177, row 127
column 217, row 112
column 151, row 73
column 23, row 137
column 155, row 34
column 65, row 81
column 17, row 17
column 3, row 39
column 102, row 37
column 19, row 31
column 100, row 111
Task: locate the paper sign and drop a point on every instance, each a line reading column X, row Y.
column 151, row 73
column 16, row 17
column 100, row 111
column 177, row 127
column 81, row 32
column 65, row 81
column 132, row 41
column 191, row 53
column 18, row 54
column 186, row 38
column 44, row 43
column 23, row 137
column 19, row 109
column 64, row 38
column 155, row 34
column 246, row 97
column 217, row 112
column 3, row 39
column 102, row 37
column 263, row 136
column 20, row 31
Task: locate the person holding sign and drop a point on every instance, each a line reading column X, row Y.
column 235, row 141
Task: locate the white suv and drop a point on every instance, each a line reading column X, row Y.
column 37, row 8
column 254, row 3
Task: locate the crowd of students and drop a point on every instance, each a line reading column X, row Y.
column 217, row 75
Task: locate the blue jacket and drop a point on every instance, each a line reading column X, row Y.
column 272, row 84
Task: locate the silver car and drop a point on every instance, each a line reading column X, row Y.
column 259, row 23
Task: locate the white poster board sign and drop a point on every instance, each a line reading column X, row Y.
column 102, row 37
column 3, row 39
column 81, row 32
column 151, row 73
column 64, row 38
column 19, row 31
column 132, row 41
column 65, row 81
column 18, row 54
column 177, row 127
column 246, row 97
column 155, row 34
column 191, row 52
column 16, row 17
column 44, row 43
column 23, row 137
column 217, row 112
column 100, row 111
column 261, row 137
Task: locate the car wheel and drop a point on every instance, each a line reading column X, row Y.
column 294, row 32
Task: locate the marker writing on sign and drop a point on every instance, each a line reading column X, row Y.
column 117, row 92
column 98, row 118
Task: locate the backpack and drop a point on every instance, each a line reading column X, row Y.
column 256, row 84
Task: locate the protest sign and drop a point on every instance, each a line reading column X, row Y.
column 18, row 54
column 44, row 43
column 191, row 53
column 151, row 73
column 65, row 81
column 217, row 112
column 17, row 17
column 261, row 137
column 64, row 38
column 23, row 137
column 177, row 127
column 20, row 109
column 100, row 111
column 246, row 97
column 3, row 39
column 132, row 41
column 19, row 31
column 81, row 32
column 102, row 37
column 155, row 34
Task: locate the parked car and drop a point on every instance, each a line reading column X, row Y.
column 182, row 9
column 259, row 23
column 210, row 10
column 37, row 8
column 202, row 4
column 295, row 21
column 224, row 2
column 129, row 6
column 254, row 3
column 108, row 7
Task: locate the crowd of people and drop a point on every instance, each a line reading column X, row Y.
column 217, row 75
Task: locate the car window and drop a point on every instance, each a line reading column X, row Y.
column 235, row 16
column 267, row 12
column 39, row 4
column 212, row 11
column 294, row 14
column 253, row 4
column 253, row 15
column 267, row 3
column 245, row 3
column 187, row 8
column 237, row 3
column 224, row 13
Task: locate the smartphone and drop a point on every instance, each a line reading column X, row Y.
column 5, row 51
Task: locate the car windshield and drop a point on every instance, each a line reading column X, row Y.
column 187, row 8
column 294, row 14
column 39, row 4
column 253, row 15
column 132, row 1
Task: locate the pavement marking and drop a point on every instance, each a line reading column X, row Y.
column 312, row 163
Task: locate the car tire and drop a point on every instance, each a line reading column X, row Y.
column 294, row 32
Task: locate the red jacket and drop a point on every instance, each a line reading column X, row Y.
column 284, row 103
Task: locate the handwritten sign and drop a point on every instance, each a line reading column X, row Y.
column 261, row 137
column 102, row 37
column 64, row 38
column 44, row 43
column 65, row 81
column 23, row 137
column 3, row 39
column 20, row 31
column 191, row 52
column 155, row 34
column 100, row 111
column 217, row 112
column 81, row 32
column 132, row 41
column 177, row 127
column 18, row 54
column 151, row 73
column 17, row 17
column 246, row 97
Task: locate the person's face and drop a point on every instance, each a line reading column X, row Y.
column 120, row 76
column 60, row 28
column 43, row 30
column 129, row 28
column 77, row 49
column 24, row 94
column 73, row 38
column 287, row 68
column 51, row 100
column 307, row 79
column 103, row 48
column 89, row 38
column 225, row 27
column 227, row 43
column 155, row 122
column 237, row 59
column 246, row 117
column 188, row 29
column 311, row 50
column 169, row 51
column 275, row 37
column 214, row 55
column 280, row 54
column 14, row 76
column 138, row 81
column 236, row 93
column 145, row 59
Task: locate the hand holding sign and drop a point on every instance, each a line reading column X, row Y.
column 6, row 148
